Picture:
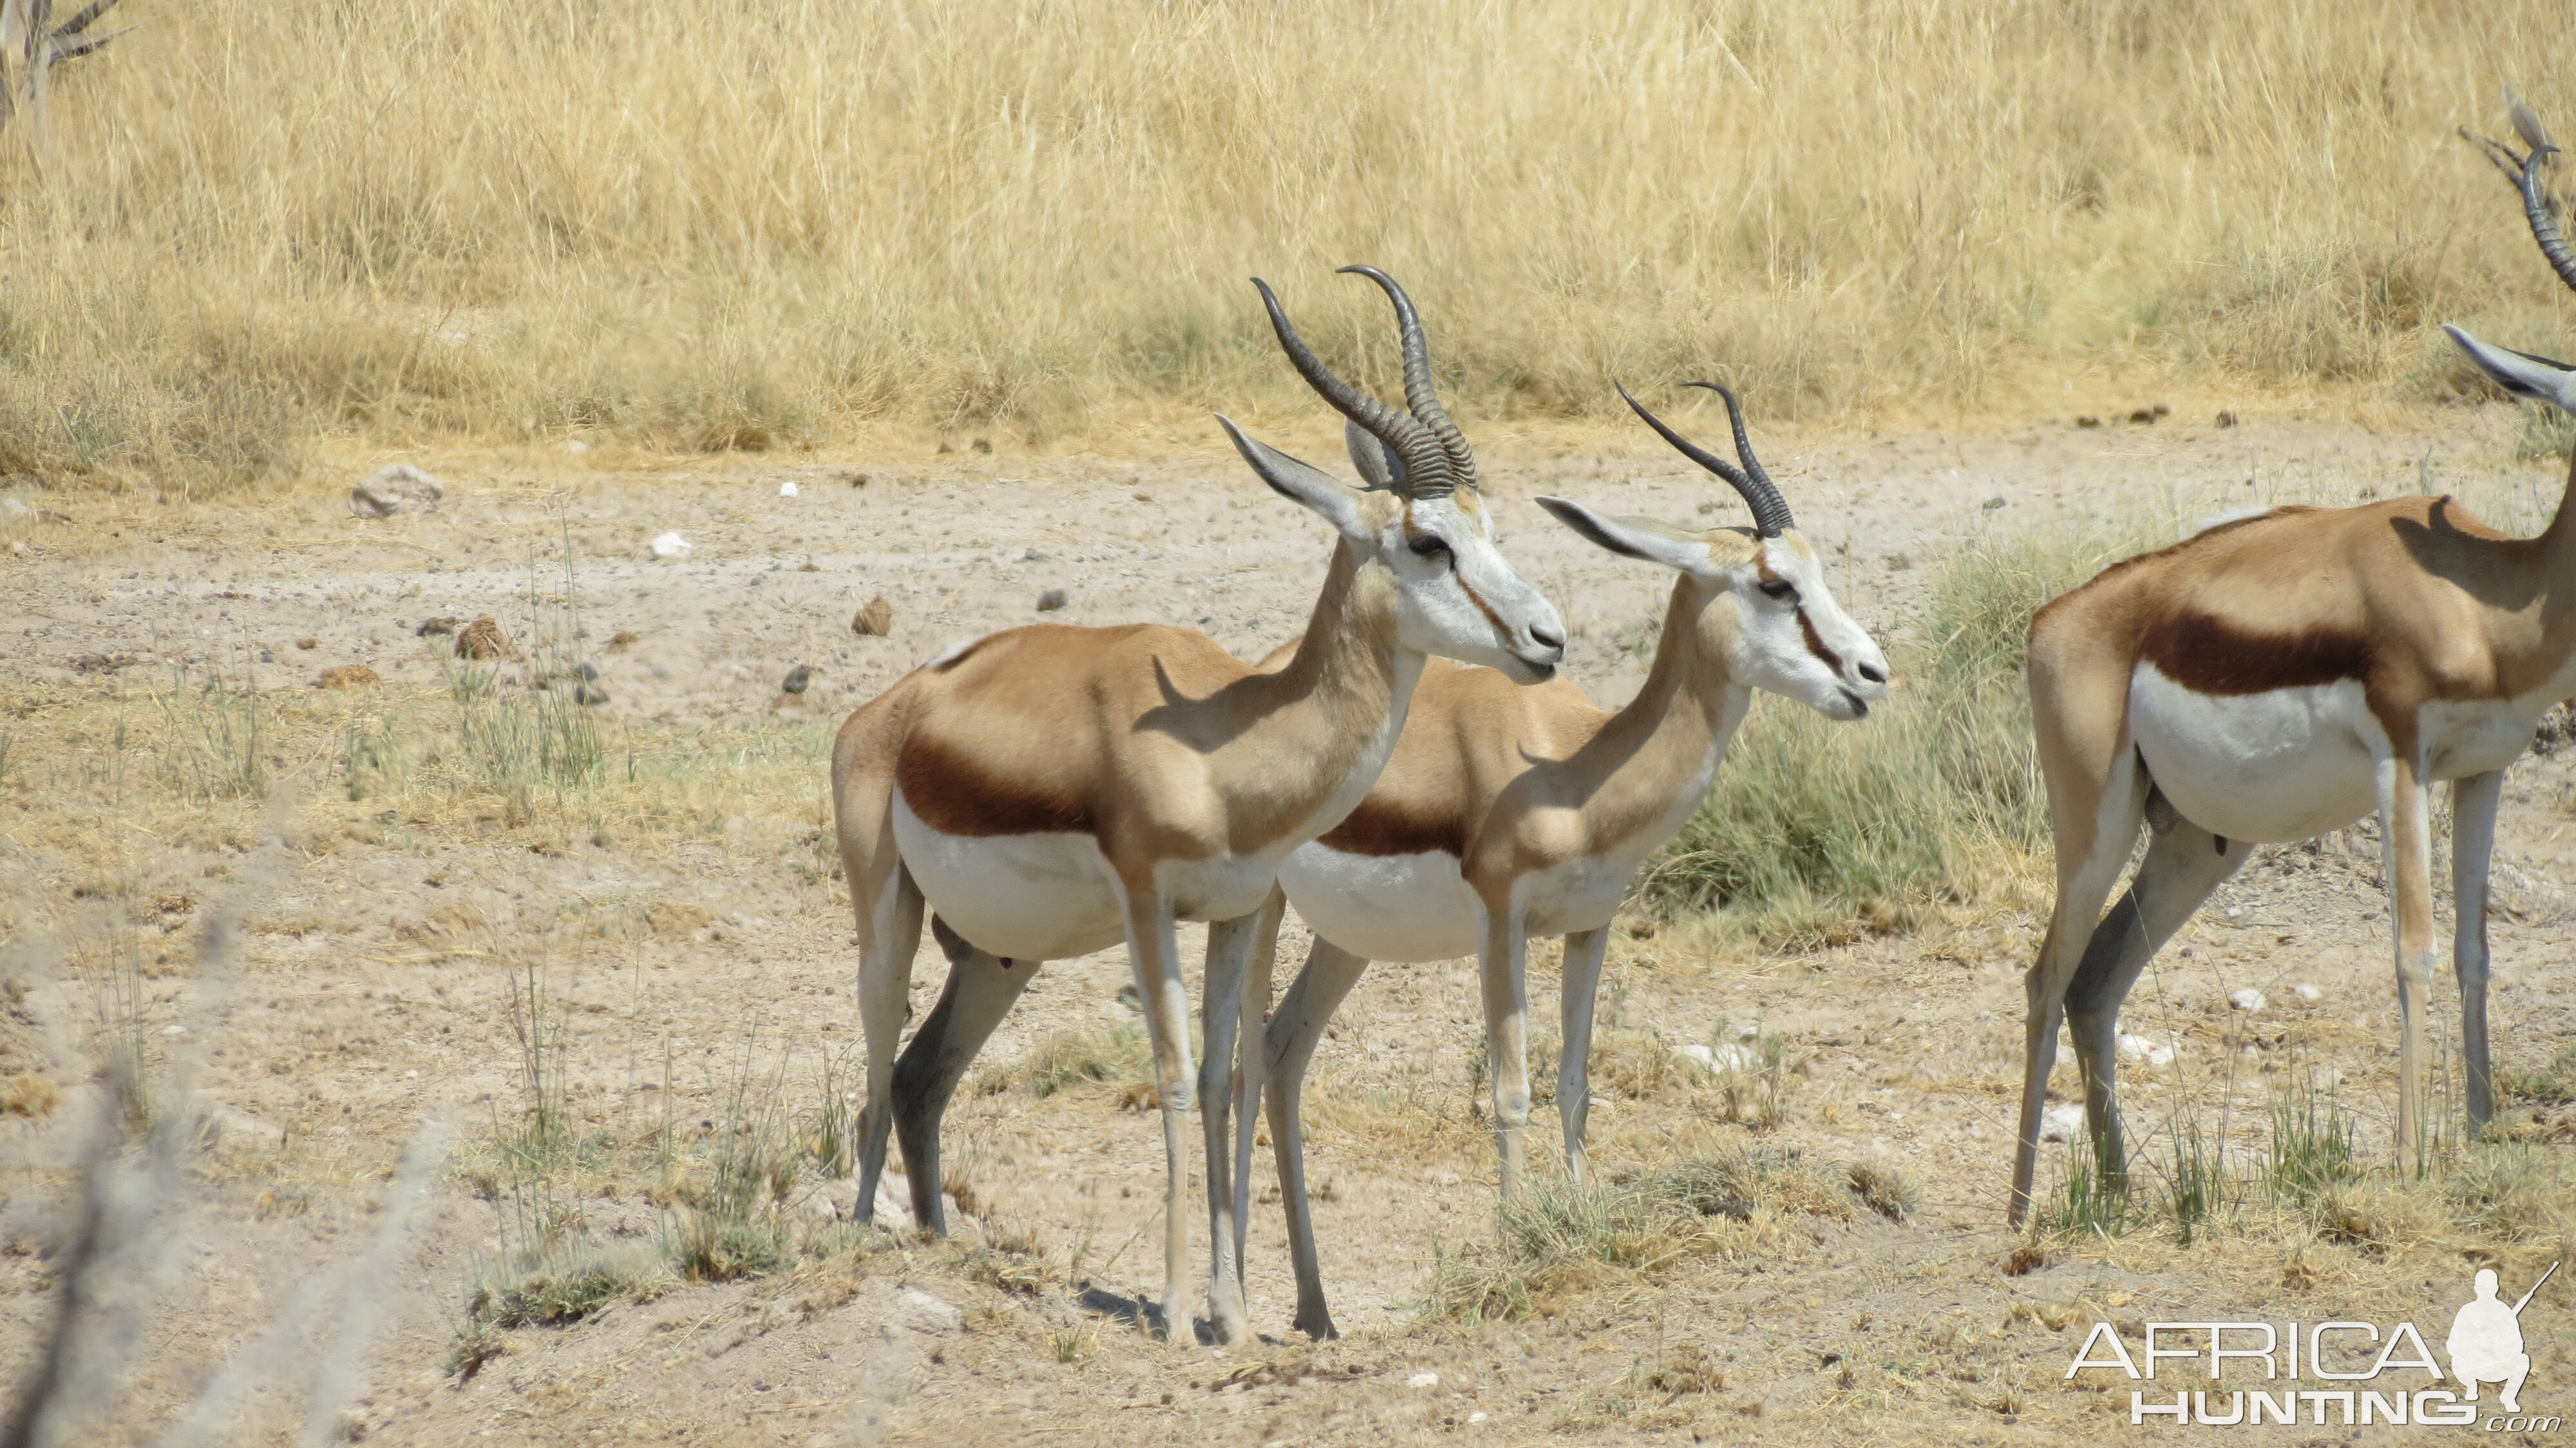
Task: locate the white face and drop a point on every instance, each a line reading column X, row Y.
column 1791, row 638
column 1458, row 598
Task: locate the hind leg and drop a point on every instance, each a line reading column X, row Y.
column 1289, row 1042
column 2183, row 864
column 980, row 990
column 890, row 933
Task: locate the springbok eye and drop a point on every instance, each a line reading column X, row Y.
column 1780, row 588
column 1430, row 545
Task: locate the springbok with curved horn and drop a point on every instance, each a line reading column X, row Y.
column 2277, row 677
column 1508, row 812
column 1050, row 790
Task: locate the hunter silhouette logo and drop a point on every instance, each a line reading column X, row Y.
column 2486, row 1340
column 2362, row 1375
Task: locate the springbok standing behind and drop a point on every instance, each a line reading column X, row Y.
column 2272, row 679
column 1508, row 812
column 1050, row 790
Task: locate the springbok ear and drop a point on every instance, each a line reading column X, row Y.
column 1633, row 537
column 1300, row 482
column 1379, row 466
column 2520, row 373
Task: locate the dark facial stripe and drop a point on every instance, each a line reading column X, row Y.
column 1816, row 643
column 1484, row 608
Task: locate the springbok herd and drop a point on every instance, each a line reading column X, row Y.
column 1047, row 791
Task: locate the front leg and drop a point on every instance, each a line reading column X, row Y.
column 1252, row 1055
column 2406, row 859
column 1229, row 950
column 1503, row 967
column 2473, row 821
column 1156, row 955
column 1583, row 952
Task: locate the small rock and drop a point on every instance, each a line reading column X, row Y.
column 586, row 671
column 2088, row 422
column 1423, row 1380
column 2248, row 999
column 944, row 447
column 2305, row 991
column 589, row 693
column 1051, row 600
column 308, row 645
column 575, row 445
column 2227, row 419
column 11, row 510
column 400, row 488
column 348, row 676
column 624, row 638
column 267, row 657
column 858, row 480
column 796, row 680
column 983, row 444
column 2062, row 1122
column 671, row 545
column 430, row 626
column 1033, row 556
column 2139, row 1048
column 1696, row 1054
column 787, row 490
column 1994, row 502
column 2145, row 416
column 483, row 639
column 874, row 621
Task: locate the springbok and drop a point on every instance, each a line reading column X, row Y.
column 1049, row 790
column 2271, row 679
column 1508, row 812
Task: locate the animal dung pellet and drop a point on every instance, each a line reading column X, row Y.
column 875, row 620
column 483, row 639
column 1051, row 600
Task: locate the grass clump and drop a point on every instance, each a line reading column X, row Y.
column 2553, row 1082
column 1554, row 1236
column 551, row 1288
column 1817, row 832
column 1116, row 1055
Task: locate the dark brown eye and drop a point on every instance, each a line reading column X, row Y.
column 1777, row 588
column 1430, row 545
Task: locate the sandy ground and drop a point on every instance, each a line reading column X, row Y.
column 369, row 991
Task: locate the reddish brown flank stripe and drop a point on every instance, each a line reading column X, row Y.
column 2211, row 656
column 953, row 795
column 1380, row 828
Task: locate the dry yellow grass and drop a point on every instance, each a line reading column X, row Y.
column 735, row 226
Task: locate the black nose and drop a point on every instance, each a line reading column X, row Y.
column 1554, row 641
column 1873, row 673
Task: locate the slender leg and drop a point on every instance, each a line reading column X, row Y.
column 1289, row 1042
column 980, row 991
column 1583, row 952
column 2407, row 860
column 1506, row 981
column 1229, row 948
column 885, row 998
column 2085, row 874
column 1156, row 956
column 2183, row 864
column 1252, row 1057
column 2473, row 820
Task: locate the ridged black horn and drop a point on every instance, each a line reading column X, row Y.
column 1770, row 510
column 1420, row 397
column 2524, row 172
column 1426, row 464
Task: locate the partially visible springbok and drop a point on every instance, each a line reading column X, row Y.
column 1051, row 790
column 1509, row 812
column 2277, row 677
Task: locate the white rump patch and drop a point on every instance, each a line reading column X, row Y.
column 948, row 653
column 2226, row 516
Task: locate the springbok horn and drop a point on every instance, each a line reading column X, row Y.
column 2524, row 172
column 1420, row 398
column 1770, row 510
column 1426, row 466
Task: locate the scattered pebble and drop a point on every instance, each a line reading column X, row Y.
column 2305, row 991
column 1051, row 600
column 671, row 545
column 787, row 490
column 1993, row 503
column 874, row 621
column 858, row 480
column 2139, row 1048
column 2227, row 419
column 796, row 680
column 2062, row 1122
column 983, row 444
column 430, row 626
column 2088, row 422
column 1423, row 1380
column 400, row 488
column 348, row 676
column 2248, row 999
column 587, row 692
column 625, row 637
column 308, row 644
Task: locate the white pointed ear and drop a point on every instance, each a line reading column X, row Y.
column 1300, row 482
column 1635, row 537
column 2520, row 373
column 1379, row 466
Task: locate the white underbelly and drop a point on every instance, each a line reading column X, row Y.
column 2285, row 764
column 1021, row 897
column 1579, row 894
column 1385, row 907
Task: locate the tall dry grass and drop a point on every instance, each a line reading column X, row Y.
column 730, row 226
